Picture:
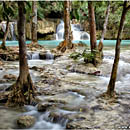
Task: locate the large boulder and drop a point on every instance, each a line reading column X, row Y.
column 25, row 121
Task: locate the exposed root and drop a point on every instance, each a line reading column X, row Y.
column 109, row 96
column 63, row 46
column 22, row 93
column 108, row 99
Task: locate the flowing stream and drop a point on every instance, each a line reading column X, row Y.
column 80, row 93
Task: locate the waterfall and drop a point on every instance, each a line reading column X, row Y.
column 12, row 30
column 49, row 55
column 35, row 55
column 60, row 31
column 29, row 56
column 11, row 34
column 77, row 32
column 85, row 36
column 3, row 25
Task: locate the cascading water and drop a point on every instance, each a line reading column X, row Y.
column 3, row 25
column 12, row 30
column 11, row 34
column 76, row 31
column 43, row 120
column 49, row 55
column 35, row 56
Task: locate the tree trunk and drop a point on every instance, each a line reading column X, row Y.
column 3, row 46
column 67, row 26
column 93, row 41
column 34, row 21
column 100, row 46
column 67, row 43
column 23, row 89
column 111, row 86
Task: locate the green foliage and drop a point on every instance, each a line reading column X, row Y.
column 86, row 55
column 89, row 56
column 75, row 55
column 79, row 10
column 7, row 10
column 46, row 7
column 28, row 8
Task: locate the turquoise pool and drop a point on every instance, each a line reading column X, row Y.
column 55, row 42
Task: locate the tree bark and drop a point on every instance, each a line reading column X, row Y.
column 93, row 41
column 111, row 85
column 100, row 46
column 34, row 21
column 3, row 46
column 23, row 89
column 67, row 26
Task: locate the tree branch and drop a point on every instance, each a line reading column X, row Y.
column 128, row 8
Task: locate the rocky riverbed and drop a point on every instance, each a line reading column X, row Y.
column 69, row 94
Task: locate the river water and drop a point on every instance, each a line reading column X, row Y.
column 80, row 95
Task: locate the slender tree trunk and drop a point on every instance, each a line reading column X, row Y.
column 67, row 43
column 24, row 71
column 3, row 46
column 111, row 86
column 100, row 46
column 93, row 40
column 34, row 21
column 23, row 89
column 67, row 26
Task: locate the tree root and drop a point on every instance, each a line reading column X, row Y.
column 109, row 96
column 22, row 93
column 63, row 46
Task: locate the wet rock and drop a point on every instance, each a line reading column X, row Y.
column 9, row 56
column 57, row 101
column 42, row 55
column 96, row 73
column 97, row 108
column 25, row 121
column 81, row 108
column 57, row 117
column 80, row 91
column 34, row 68
column 42, row 107
column 83, row 69
column 3, row 81
column 77, row 125
column 79, row 121
column 10, row 77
